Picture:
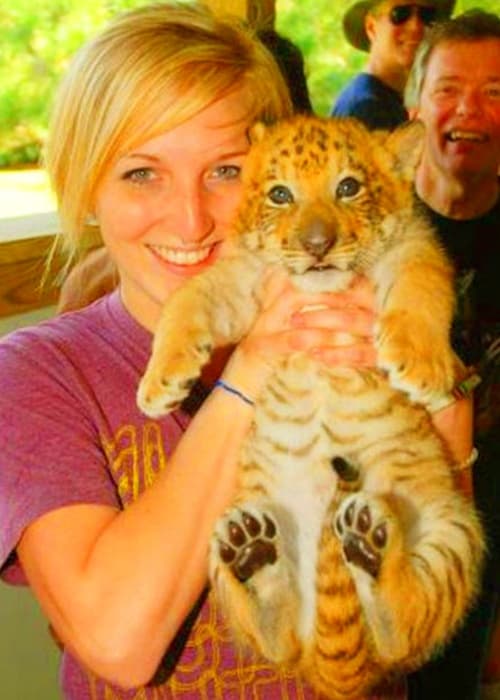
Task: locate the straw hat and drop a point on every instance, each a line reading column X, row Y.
column 354, row 19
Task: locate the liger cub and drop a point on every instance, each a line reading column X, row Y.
column 348, row 551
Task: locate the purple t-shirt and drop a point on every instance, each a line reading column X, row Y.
column 71, row 433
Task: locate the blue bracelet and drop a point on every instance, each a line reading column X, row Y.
column 232, row 390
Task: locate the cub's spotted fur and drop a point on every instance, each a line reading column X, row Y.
column 348, row 552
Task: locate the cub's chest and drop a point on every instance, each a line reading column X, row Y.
column 290, row 438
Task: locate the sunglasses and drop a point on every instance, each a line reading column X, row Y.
column 402, row 13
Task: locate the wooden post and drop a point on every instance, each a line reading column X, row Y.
column 260, row 11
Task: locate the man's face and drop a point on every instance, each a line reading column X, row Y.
column 394, row 45
column 460, row 107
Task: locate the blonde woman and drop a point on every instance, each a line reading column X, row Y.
column 105, row 513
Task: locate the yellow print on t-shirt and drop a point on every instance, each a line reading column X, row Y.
column 210, row 668
column 136, row 456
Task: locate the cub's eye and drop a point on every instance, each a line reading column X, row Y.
column 348, row 187
column 280, row 195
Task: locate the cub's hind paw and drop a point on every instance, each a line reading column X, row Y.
column 245, row 542
column 364, row 529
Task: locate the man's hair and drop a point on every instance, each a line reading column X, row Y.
column 473, row 25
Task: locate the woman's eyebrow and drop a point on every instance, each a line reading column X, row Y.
column 140, row 156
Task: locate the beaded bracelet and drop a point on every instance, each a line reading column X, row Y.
column 467, row 463
column 233, row 390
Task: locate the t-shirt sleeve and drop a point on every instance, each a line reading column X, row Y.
column 51, row 453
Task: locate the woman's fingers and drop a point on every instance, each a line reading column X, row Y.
column 357, row 354
column 337, row 328
column 359, row 321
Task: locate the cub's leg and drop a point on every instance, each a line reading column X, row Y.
column 210, row 310
column 253, row 577
column 416, row 297
column 414, row 580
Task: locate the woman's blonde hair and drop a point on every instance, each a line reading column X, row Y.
column 150, row 70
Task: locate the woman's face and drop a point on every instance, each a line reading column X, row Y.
column 166, row 207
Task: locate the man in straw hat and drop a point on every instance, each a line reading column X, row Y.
column 390, row 31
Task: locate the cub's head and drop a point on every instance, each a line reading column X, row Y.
column 326, row 193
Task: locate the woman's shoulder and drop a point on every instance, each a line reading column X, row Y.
column 76, row 341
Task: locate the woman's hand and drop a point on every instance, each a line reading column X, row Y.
column 335, row 328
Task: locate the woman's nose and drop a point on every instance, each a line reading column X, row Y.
column 192, row 216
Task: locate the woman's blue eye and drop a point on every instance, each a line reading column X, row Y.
column 139, row 175
column 227, row 172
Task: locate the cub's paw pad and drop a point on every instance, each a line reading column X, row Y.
column 246, row 542
column 363, row 535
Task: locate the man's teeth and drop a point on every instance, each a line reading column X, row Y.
column 466, row 136
column 182, row 257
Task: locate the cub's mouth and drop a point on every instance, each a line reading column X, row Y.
column 321, row 266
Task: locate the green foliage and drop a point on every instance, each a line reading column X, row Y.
column 38, row 38
column 316, row 27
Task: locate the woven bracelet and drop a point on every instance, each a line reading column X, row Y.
column 461, row 390
column 233, row 390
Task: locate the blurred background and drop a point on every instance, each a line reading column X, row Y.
column 38, row 39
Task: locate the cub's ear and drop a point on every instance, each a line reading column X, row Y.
column 256, row 132
column 406, row 143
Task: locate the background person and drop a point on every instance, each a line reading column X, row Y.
column 390, row 31
column 454, row 89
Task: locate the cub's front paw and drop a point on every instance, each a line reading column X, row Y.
column 170, row 376
column 364, row 526
column 418, row 363
column 245, row 542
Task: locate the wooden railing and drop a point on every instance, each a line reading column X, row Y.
column 25, row 243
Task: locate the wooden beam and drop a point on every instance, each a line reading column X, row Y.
column 25, row 244
column 22, row 265
column 261, row 12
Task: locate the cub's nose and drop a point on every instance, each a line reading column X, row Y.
column 318, row 237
